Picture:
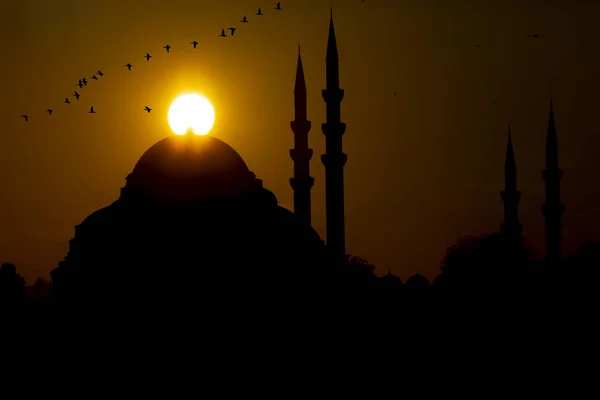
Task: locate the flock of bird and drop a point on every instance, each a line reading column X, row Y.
column 82, row 83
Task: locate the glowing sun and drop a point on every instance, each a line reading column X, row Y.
column 191, row 111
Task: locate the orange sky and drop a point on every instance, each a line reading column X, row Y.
column 440, row 141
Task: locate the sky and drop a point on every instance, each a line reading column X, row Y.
column 425, row 167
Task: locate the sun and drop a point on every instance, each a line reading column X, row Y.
column 191, row 111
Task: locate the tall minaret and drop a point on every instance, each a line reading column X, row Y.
column 302, row 182
column 334, row 158
column 510, row 228
column 553, row 209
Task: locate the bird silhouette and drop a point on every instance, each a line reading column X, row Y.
column 76, row 95
column 100, row 73
column 25, row 117
column 49, row 111
column 92, row 110
column 129, row 66
column 244, row 20
column 536, row 35
column 147, row 57
column 394, row 93
column 147, row 109
column 222, row 33
column 278, row 6
column 167, row 47
column 84, row 81
column 80, row 84
column 94, row 77
column 259, row 12
column 67, row 101
column 232, row 29
column 194, row 43
column 477, row 46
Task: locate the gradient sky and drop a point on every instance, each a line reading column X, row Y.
column 440, row 141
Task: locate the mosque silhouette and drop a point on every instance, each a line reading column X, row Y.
column 192, row 215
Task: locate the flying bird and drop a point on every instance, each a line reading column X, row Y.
column 147, row 109
column 80, row 84
column 49, row 111
column 147, row 56
column 536, row 35
column 194, row 43
column 278, row 6
column 92, row 110
column 232, row 29
column 94, row 77
column 25, row 117
column 244, row 20
column 76, row 95
column 129, row 66
column 100, row 73
column 259, row 12
column 84, row 81
column 222, row 33
column 67, row 101
column 167, row 47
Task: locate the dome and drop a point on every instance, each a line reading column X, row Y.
column 417, row 281
column 191, row 167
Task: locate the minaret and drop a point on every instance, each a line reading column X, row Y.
column 334, row 158
column 302, row 182
column 510, row 228
column 553, row 209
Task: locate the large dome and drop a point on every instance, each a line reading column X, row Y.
column 189, row 168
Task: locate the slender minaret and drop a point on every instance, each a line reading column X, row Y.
column 334, row 158
column 510, row 228
column 302, row 182
column 553, row 210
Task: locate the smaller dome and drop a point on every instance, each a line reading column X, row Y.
column 189, row 168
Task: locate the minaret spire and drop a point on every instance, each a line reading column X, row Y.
column 302, row 182
column 334, row 158
column 511, row 227
column 553, row 209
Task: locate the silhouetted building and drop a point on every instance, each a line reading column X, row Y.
column 334, row 158
column 553, row 209
column 12, row 285
column 510, row 228
column 302, row 182
column 192, row 220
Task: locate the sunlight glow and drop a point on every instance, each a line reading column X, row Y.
column 191, row 111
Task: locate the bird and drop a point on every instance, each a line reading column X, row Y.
column 80, row 84
column 394, row 93
column 49, row 111
column 222, row 33
column 25, row 117
column 76, row 95
column 94, row 77
column 84, row 81
column 167, row 47
column 92, row 110
column 232, row 29
column 536, row 35
column 244, row 20
column 477, row 46
column 147, row 109
column 194, row 43
column 67, row 101
column 129, row 66
column 147, row 56
column 259, row 12
column 100, row 73
column 278, row 6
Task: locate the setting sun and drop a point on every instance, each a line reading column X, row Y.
column 191, row 111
